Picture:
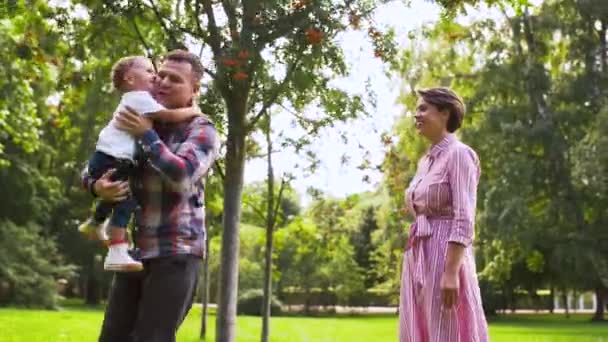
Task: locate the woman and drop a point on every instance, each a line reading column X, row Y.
column 440, row 299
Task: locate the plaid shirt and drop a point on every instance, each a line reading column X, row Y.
column 168, row 185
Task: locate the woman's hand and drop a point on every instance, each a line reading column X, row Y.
column 449, row 286
column 111, row 191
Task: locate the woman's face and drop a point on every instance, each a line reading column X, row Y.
column 430, row 122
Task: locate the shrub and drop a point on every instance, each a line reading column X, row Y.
column 250, row 303
column 29, row 266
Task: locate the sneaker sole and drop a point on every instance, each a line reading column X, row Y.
column 123, row 267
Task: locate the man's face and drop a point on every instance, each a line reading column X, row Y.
column 174, row 85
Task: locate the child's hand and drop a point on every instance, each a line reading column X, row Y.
column 133, row 122
column 112, row 191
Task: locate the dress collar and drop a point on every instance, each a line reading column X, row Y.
column 442, row 145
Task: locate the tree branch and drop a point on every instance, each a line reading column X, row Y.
column 282, row 26
column 211, row 73
column 231, row 14
column 277, row 90
column 254, row 156
column 255, row 209
column 162, row 22
column 199, row 34
column 277, row 205
column 218, row 169
column 140, row 36
column 214, row 37
column 299, row 116
column 197, row 17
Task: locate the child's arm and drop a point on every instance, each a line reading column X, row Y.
column 174, row 115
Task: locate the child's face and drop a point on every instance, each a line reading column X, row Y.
column 141, row 75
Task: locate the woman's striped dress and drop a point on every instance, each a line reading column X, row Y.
column 442, row 196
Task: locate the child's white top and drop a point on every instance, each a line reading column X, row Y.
column 120, row 144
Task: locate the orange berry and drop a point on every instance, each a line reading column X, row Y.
column 239, row 76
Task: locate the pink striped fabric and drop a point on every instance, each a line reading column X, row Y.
column 442, row 196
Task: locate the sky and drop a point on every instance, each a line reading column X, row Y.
column 333, row 178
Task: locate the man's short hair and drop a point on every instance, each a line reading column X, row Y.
column 183, row 56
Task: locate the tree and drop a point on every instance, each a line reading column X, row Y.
column 31, row 52
column 363, row 245
column 271, row 220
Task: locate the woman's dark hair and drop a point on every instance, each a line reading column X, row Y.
column 446, row 99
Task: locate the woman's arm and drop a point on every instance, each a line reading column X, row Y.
column 463, row 175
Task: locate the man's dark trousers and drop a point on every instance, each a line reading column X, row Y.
column 151, row 305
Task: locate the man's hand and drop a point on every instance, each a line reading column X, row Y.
column 133, row 122
column 112, row 191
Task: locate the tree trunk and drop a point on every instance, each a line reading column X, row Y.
column 552, row 304
column 205, row 289
column 604, row 47
column 601, row 303
column 307, row 301
column 566, row 304
column 93, row 283
column 233, row 189
column 270, row 221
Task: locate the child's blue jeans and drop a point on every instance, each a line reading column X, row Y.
column 120, row 211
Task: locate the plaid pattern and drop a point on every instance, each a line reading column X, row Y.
column 168, row 185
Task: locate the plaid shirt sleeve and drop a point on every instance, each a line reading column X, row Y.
column 192, row 159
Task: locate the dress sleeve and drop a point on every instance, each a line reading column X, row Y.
column 463, row 175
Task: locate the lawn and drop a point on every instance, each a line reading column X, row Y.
column 79, row 324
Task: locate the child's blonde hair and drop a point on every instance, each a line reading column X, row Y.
column 120, row 68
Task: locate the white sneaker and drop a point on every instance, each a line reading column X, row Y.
column 119, row 260
column 93, row 230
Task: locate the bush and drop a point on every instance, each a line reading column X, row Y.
column 250, row 303
column 29, row 266
column 318, row 297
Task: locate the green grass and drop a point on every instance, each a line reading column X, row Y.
column 547, row 328
column 79, row 324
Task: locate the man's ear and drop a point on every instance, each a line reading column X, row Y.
column 196, row 88
column 196, row 92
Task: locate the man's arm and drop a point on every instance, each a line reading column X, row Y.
column 193, row 158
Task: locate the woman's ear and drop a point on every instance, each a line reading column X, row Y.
column 445, row 114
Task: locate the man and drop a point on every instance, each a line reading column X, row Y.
column 150, row 305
